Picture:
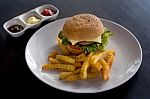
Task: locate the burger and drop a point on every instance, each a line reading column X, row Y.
column 84, row 33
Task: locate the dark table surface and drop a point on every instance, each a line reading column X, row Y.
column 15, row 75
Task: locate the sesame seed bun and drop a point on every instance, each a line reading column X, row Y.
column 83, row 27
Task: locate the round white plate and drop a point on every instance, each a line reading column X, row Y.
column 127, row 62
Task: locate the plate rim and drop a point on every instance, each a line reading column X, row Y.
column 97, row 91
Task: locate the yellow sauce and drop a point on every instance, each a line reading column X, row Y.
column 32, row 20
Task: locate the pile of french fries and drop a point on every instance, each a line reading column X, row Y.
column 81, row 67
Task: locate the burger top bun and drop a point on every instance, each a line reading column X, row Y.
column 83, row 27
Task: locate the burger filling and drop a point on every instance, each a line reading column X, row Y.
column 88, row 46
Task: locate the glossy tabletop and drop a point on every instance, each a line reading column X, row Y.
column 17, row 77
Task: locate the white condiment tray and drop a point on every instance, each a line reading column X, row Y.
column 21, row 19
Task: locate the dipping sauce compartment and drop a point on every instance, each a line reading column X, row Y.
column 9, row 24
column 31, row 19
column 53, row 9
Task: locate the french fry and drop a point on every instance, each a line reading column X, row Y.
column 78, row 64
column 81, row 57
column 72, row 56
column 53, row 54
column 63, row 48
column 58, row 66
column 86, row 64
column 92, row 75
column 64, row 75
column 99, row 55
column 65, row 59
column 96, row 67
column 72, row 78
column 62, row 70
column 89, row 69
column 53, row 60
column 93, row 70
column 77, row 77
column 110, row 60
column 105, row 70
column 77, row 71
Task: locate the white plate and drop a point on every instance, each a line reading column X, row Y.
column 127, row 63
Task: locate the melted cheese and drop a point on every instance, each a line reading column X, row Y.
column 98, row 39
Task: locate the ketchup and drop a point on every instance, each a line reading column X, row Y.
column 47, row 12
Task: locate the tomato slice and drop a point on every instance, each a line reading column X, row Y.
column 74, row 49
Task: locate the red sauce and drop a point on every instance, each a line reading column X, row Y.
column 47, row 12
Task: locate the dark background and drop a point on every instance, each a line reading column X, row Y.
column 15, row 75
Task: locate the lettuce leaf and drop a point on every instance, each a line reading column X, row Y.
column 105, row 37
column 99, row 46
column 90, row 48
column 65, row 40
